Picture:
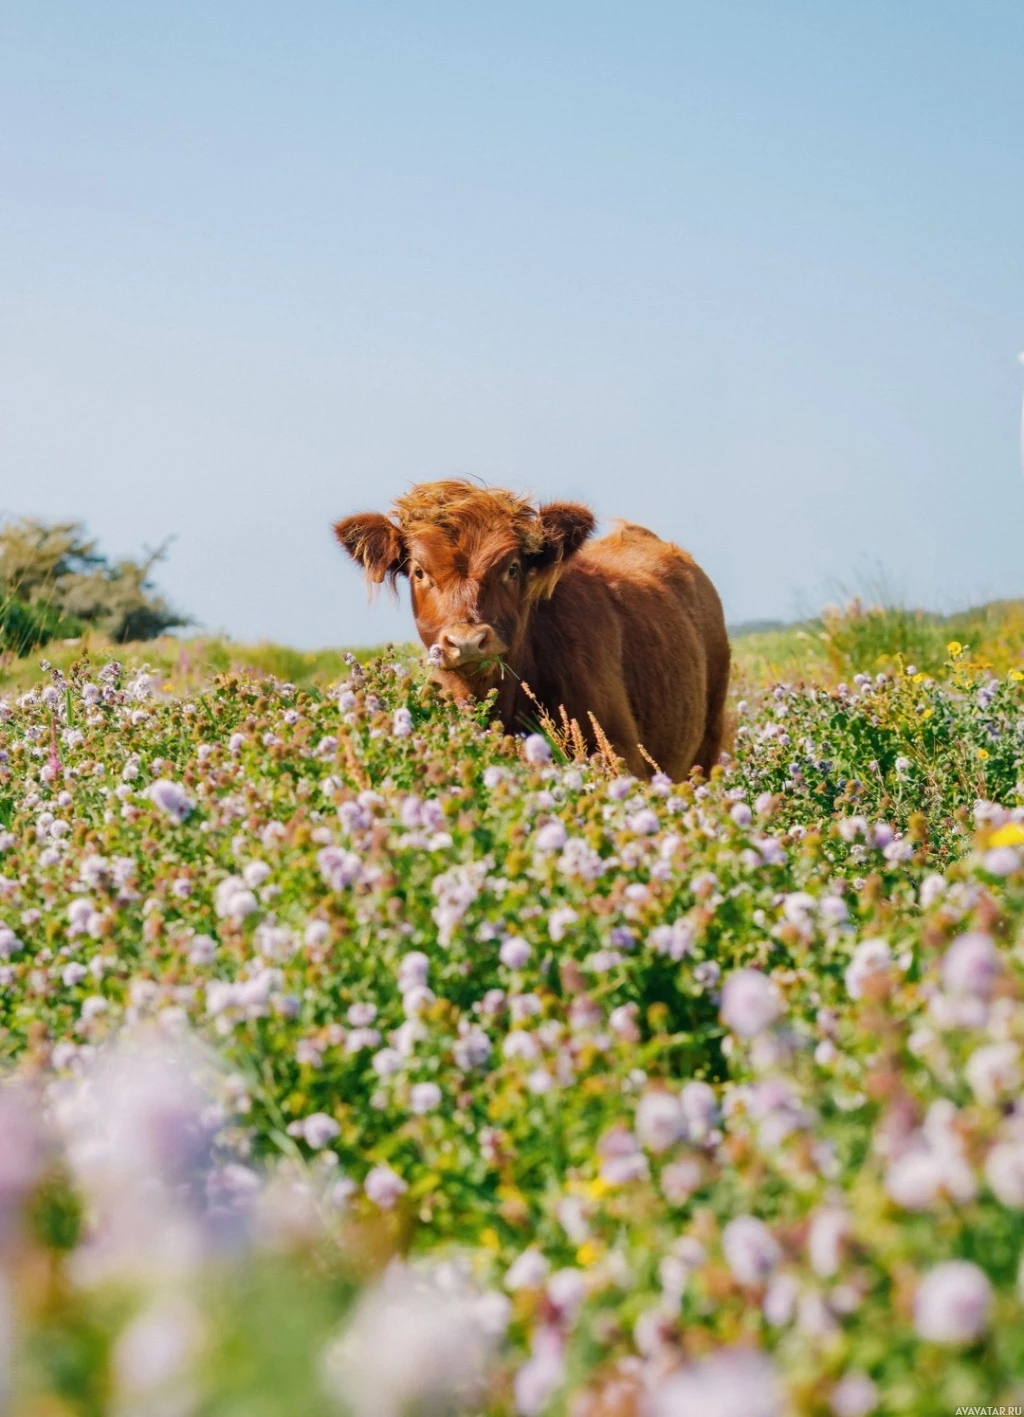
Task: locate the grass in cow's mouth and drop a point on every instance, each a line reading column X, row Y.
column 354, row 1047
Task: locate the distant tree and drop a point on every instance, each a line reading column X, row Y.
column 54, row 581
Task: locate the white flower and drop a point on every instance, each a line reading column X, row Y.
column 137, row 1136
column 659, row 1121
column 318, row 1129
column 317, row 932
column 232, row 900
column 80, row 912
column 472, row 1048
column 952, row 1303
column 750, row 1248
column 933, row 888
column 171, row 798
column 73, row 974
column 153, row 1354
column 519, row 1044
column 141, row 687
column 417, row 1000
column 829, row 1227
column 528, row 1271
column 9, row 942
column 680, row 1179
column 274, row 942
column 914, row 1180
column 566, row 1290
column 255, row 873
column 424, row 1097
column 551, row 837
column 360, row 1038
column 536, row 750
column 870, row 957
column 384, row 1187
column 542, row 1373
column 699, row 1108
column 386, row 1062
column 780, row 1300
column 339, row 868
column 1001, row 861
column 833, row 909
column 971, row 965
column 578, row 858
column 622, row 1022
column 419, row 1340
column 514, row 952
column 413, row 969
column 1004, row 1171
column 559, row 921
column 750, row 1002
column 854, row 1395
column 993, row 1071
column 401, row 724
column 734, row 1382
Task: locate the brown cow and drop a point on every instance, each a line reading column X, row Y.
column 627, row 628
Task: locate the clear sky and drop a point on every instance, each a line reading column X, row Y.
column 749, row 273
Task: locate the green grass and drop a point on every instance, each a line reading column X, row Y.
column 865, row 639
column 182, row 664
column 840, row 643
column 249, row 867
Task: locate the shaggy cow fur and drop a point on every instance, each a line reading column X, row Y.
column 627, row 628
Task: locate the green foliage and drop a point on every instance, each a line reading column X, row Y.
column 184, row 665
column 865, row 638
column 25, row 625
column 860, row 636
column 55, row 581
column 382, row 822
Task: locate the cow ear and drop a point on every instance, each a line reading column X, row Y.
column 375, row 542
column 565, row 527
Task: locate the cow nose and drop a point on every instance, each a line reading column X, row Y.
column 464, row 642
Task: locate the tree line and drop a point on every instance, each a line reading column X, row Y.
column 55, row 583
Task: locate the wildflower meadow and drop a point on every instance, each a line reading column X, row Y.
column 360, row 1059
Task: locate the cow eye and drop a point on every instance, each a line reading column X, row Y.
column 513, row 571
column 419, row 573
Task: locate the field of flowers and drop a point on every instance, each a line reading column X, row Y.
column 362, row 1060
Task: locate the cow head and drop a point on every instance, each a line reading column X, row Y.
column 477, row 559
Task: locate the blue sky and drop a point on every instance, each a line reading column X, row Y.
column 752, row 274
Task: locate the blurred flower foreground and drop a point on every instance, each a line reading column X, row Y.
column 358, row 1059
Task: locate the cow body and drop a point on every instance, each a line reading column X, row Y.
column 627, row 628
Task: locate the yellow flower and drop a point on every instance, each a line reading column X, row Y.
column 983, row 753
column 1016, row 675
column 490, row 1239
column 598, row 1187
column 587, row 1253
column 954, row 649
column 1012, row 834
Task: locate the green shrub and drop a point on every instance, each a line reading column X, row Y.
column 862, row 638
column 55, row 572
column 24, row 626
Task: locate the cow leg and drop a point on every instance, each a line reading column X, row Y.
column 621, row 730
column 714, row 724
